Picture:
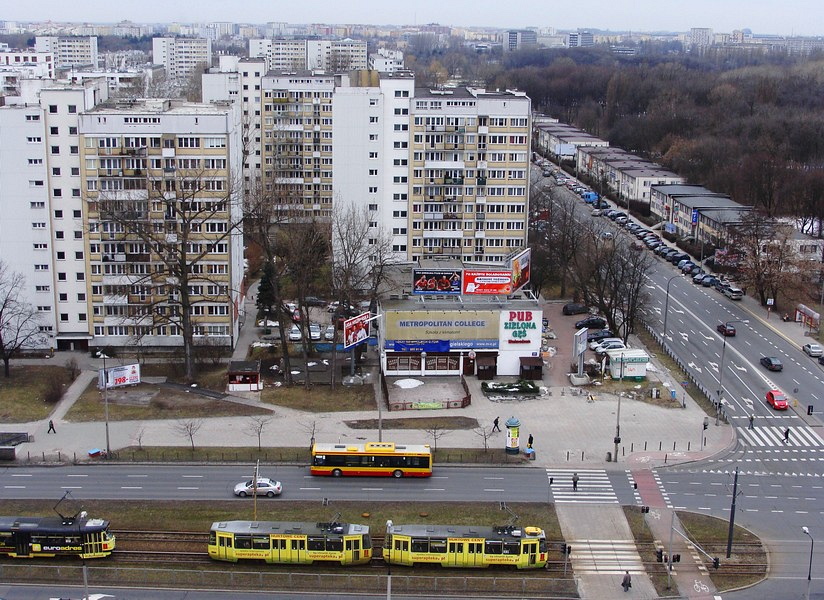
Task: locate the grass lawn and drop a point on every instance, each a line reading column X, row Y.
column 321, row 398
column 22, row 396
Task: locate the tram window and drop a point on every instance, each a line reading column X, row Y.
column 243, row 542
column 542, row 546
column 298, row 544
column 420, row 545
column 334, row 545
column 260, row 542
column 212, row 537
column 512, row 548
column 437, row 545
column 225, row 542
column 279, row 544
column 316, row 544
column 492, row 547
column 474, row 548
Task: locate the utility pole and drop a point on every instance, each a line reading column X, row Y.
column 732, row 513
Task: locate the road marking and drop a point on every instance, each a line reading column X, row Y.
column 136, row 475
column 371, row 489
column 434, row 489
column 14, row 487
column 131, row 487
column 188, row 488
column 76, row 475
column 71, row 487
column 493, row 477
column 494, row 490
column 21, row 475
column 192, row 476
column 309, row 489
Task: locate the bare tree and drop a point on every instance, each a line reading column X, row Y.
column 19, row 320
column 312, row 429
column 72, row 368
column 256, row 425
column 485, row 433
column 436, row 432
column 188, row 429
column 138, row 437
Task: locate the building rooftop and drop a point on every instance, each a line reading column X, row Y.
column 160, row 106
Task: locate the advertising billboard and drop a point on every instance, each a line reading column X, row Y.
column 356, row 330
column 114, row 377
column 520, row 264
column 521, row 329
column 450, row 330
column 436, row 281
column 487, row 282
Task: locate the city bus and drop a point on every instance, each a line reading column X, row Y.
column 372, row 459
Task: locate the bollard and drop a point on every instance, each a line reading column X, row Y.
column 673, row 446
column 567, row 455
column 645, row 446
column 688, row 446
column 75, row 457
column 59, row 456
column 582, row 456
column 659, row 446
column 623, row 450
column 665, row 459
column 632, row 446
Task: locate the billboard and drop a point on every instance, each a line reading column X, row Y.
column 356, row 330
column 521, row 329
column 450, row 330
column 520, row 264
column 118, row 376
column 436, row 281
column 487, row 282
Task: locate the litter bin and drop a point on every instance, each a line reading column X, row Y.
column 609, row 456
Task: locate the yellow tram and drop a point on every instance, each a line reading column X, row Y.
column 286, row 542
column 29, row 537
column 465, row 546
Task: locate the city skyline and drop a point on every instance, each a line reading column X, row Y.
column 794, row 17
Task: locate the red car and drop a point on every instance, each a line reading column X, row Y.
column 777, row 400
column 726, row 329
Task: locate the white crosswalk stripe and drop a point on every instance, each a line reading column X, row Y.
column 605, row 557
column 803, row 437
column 594, row 486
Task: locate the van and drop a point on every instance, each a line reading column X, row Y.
column 734, row 293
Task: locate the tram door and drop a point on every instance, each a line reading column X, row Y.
column 22, row 543
column 400, row 551
column 474, row 554
column 351, row 550
column 224, row 545
column 455, row 557
column 298, row 547
column 531, row 550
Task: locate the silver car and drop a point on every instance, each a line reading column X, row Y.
column 265, row 487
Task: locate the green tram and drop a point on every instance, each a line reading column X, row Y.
column 465, row 546
column 30, row 537
column 290, row 543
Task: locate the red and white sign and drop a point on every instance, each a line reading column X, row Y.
column 118, row 376
column 487, row 282
column 356, row 329
column 521, row 328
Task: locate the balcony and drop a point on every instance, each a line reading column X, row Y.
column 481, row 180
column 453, row 180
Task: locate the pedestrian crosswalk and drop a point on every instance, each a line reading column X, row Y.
column 765, row 436
column 594, row 486
column 605, row 557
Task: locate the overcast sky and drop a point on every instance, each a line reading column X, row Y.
column 789, row 17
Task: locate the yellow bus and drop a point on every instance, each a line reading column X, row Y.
column 371, row 459
column 286, row 542
column 465, row 546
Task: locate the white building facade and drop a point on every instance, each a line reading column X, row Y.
column 69, row 51
column 182, row 56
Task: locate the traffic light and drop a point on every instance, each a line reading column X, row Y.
column 659, row 555
column 706, row 423
column 676, row 558
column 716, row 562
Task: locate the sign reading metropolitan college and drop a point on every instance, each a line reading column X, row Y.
column 461, row 329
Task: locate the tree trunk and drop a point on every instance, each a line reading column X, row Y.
column 7, row 366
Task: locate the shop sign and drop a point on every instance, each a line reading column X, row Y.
column 520, row 327
column 487, row 282
column 460, row 328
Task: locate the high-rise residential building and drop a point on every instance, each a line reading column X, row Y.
column 700, row 36
column 519, row 39
column 386, row 61
column 182, row 56
column 580, row 39
column 35, row 64
column 69, row 51
column 170, row 166
column 329, row 55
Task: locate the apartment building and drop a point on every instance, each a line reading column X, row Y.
column 297, row 142
column 182, row 56
column 386, row 61
column 171, row 166
column 294, row 55
column 69, row 51
column 519, row 39
column 469, row 174
column 35, row 64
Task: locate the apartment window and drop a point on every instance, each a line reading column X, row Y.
column 55, row 149
column 72, row 130
column 56, row 171
column 76, row 214
column 373, row 137
column 41, row 267
column 75, row 171
column 61, row 256
column 53, row 109
column 32, row 117
column 64, row 317
column 373, row 155
column 38, row 205
column 72, row 109
column 74, row 150
column 373, row 119
column 63, row 297
column 373, row 207
column 81, row 317
column 81, row 297
column 53, row 130
column 188, row 142
column 58, row 235
column 78, row 235
column 401, row 127
column 35, row 161
column 44, row 308
column 34, row 139
column 401, row 93
column 38, row 225
column 61, row 276
column 41, row 246
column 58, row 214
column 42, row 288
column 75, row 192
column 372, row 190
column 57, row 192
column 373, row 172
column 78, row 255
column 80, row 276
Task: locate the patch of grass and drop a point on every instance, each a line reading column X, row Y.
column 165, row 404
column 321, row 398
column 422, row 423
column 23, row 395
column 210, row 377
column 635, row 390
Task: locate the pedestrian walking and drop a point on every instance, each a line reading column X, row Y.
column 495, row 426
column 575, row 482
column 787, row 435
column 752, row 418
column 529, row 441
column 626, row 583
column 51, row 427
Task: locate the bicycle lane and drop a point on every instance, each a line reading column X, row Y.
column 689, row 575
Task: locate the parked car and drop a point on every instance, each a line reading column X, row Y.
column 698, row 277
column 721, row 285
column 329, row 332
column 821, row 359
column 682, row 262
column 621, row 219
column 708, row 281
column 726, row 329
column 613, row 345
column 771, row 363
column 813, row 350
column 734, row 293
column 596, row 343
column 574, row 308
column 295, row 334
column 265, row 487
column 314, row 332
column 777, row 400
column 591, row 322
column 314, row 301
column 678, row 257
column 599, row 334
column 596, row 212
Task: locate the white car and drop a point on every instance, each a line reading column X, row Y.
column 813, row 349
column 314, row 332
column 609, row 346
column 596, row 343
column 295, row 334
column 329, row 332
column 265, row 487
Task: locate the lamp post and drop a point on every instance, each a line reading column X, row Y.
column 810, row 569
column 617, row 439
column 721, row 370
column 105, row 399
column 666, row 303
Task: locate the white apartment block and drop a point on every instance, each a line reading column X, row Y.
column 69, row 51
column 36, row 64
column 241, row 80
column 297, row 142
column 174, row 163
column 134, row 79
column 293, row 55
column 182, row 56
column 386, row 61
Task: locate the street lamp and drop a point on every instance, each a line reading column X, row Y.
column 105, row 399
column 810, row 569
column 666, row 304
column 617, row 439
column 721, row 370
